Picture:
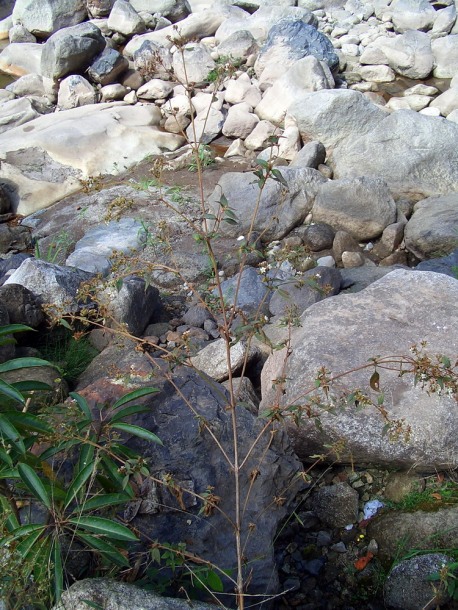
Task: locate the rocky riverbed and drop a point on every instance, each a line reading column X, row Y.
column 352, row 110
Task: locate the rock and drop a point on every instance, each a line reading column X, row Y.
column 7, row 351
column 111, row 93
column 118, row 595
column 71, row 49
column 247, row 292
column 409, row 586
column 184, row 443
column 311, row 154
column 14, row 238
column 341, row 334
column 414, row 530
column 80, row 142
column 433, row 228
column 99, row 8
column 5, row 202
column 447, row 102
column 352, row 259
column 18, row 33
column 21, row 58
column 107, row 67
column 173, row 10
column 212, row 359
column 152, row 60
column 244, row 392
column 132, row 306
column 429, row 167
column 361, row 206
column 344, row 242
column 445, row 19
column 446, row 264
column 56, row 286
column 206, row 127
column 155, row 89
column 22, row 305
column 196, row 315
column 34, row 84
column 401, row 484
column 279, row 210
column 16, row 112
column 194, row 65
column 412, row 15
column 259, row 137
column 287, row 42
column 47, row 17
column 239, row 45
column 307, row 74
column 377, row 74
column 356, row 279
column 305, row 290
column 445, row 51
column 239, row 122
column 334, row 116
column 125, row 19
column 242, row 90
column 75, row 91
column 95, row 250
column 316, row 237
column 336, row 505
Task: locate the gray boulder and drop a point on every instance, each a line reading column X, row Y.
column 412, row 15
column 153, row 61
column 99, row 8
column 75, row 91
column 336, row 505
column 409, row 585
column 334, row 116
column 342, row 334
column 173, row 10
column 212, row 359
column 280, row 208
column 16, row 112
column 107, row 67
column 239, row 45
column 311, row 154
column 21, row 58
column 125, row 19
column 305, row 290
column 71, row 50
column 247, row 291
column 47, row 16
column 22, row 305
column 178, row 414
column 433, row 228
column 34, row 84
column 56, row 286
column 409, row 54
column 193, row 65
column 446, row 264
column 289, row 41
column 361, row 206
column 415, row 154
column 119, row 596
column 445, row 51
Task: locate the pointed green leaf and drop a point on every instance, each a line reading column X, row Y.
column 58, row 580
column 61, row 447
column 134, row 395
column 11, row 392
column 23, row 363
column 29, row 422
column 32, row 481
column 31, row 385
column 21, row 531
column 129, row 411
column 9, row 431
column 11, row 521
column 78, row 484
column 86, row 455
column 100, row 525
column 214, row 582
column 14, row 328
column 82, row 404
column 5, row 458
column 65, row 324
column 137, row 431
column 105, row 548
column 103, row 501
column 28, row 543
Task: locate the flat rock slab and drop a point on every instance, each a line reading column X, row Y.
column 343, row 333
column 46, row 157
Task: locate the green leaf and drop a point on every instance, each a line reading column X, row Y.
column 262, row 163
column 23, row 363
column 129, row 411
column 118, row 284
column 230, row 221
column 214, row 582
column 21, row 531
column 78, row 484
column 82, row 404
column 91, row 604
column 31, row 385
column 105, row 548
column 60, row 447
column 446, row 361
column 7, row 429
column 14, row 328
column 137, row 431
column 209, row 216
column 5, row 458
column 86, row 455
column 134, row 395
column 29, row 422
column 65, row 324
column 10, row 521
column 32, row 481
column 29, row 542
column 103, row 501
column 58, row 580
column 100, row 525
column 11, row 392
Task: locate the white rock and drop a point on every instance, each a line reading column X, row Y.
column 202, row 101
column 239, row 122
column 125, row 19
column 75, row 91
column 453, row 116
column 412, row 15
column 377, row 74
column 21, row 58
column 431, row 112
column 155, row 89
column 445, row 51
column 421, row 89
column 206, row 127
column 16, row 112
column 326, row 261
column 444, row 22
column 236, row 149
column 242, row 90
column 260, row 135
column 446, row 102
column 113, row 92
column 46, row 17
column 194, row 65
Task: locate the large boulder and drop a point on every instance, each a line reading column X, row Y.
column 408, row 54
column 340, row 335
column 21, row 58
column 361, row 206
column 190, row 415
column 71, row 50
column 46, row 157
column 47, row 16
column 415, row 154
column 16, row 112
column 173, row 10
column 289, row 41
column 280, row 209
column 334, row 116
column 412, row 15
column 433, row 228
column 445, row 51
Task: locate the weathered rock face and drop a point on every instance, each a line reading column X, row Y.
column 157, row 514
column 414, row 154
column 342, row 333
column 279, row 209
column 46, row 17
